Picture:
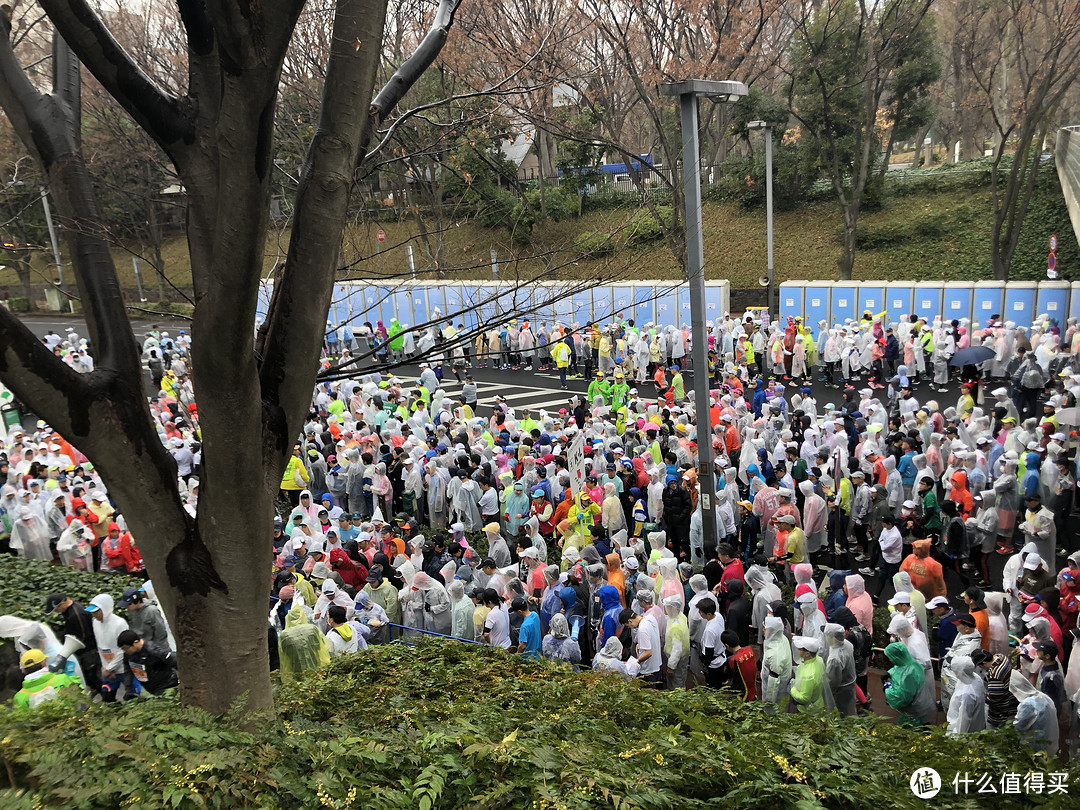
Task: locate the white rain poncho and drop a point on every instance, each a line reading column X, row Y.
column 106, row 632
column 840, row 670
column 967, row 710
column 813, row 624
column 37, row 636
column 999, row 624
column 330, row 594
column 1036, row 717
column 435, row 604
column 668, row 584
column 30, row 535
column 776, row 662
column 74, row 546
column 609, row 659
column 763, row 585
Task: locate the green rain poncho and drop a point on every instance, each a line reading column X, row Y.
column 903, row 693
column 808, row 690
column 301, row 646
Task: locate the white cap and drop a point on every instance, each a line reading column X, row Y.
column 901, row 598
column 937, row 601
column 1032, row 562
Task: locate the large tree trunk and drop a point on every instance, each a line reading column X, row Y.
column 211, row 572
column 845, row 263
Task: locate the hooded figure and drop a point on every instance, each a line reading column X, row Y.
column 763, row 585
column 301, row 647
column 517, row 510
column 1036, row 716
column 609, row 659
column 809, row 691
column 967, row 710
column 435, row 604
column 904, row 690
column 107, row 630
column 775, row 663
column 999, row 624
column 840, row 670
column 676, row 643
column 859, row 601
column 902, row 584
column 461, row 610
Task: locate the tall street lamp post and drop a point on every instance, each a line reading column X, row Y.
column 688, row 93
column 768, row 206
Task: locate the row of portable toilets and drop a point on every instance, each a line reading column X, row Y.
column 1018, row 301
column 658, row 302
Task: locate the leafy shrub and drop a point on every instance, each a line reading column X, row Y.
column 594, row 245
column 453, row 725
column 18, row 303
column 557, row 203
column 643, row 228
column 24, row 584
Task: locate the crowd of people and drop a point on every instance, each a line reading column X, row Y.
column 406, row 511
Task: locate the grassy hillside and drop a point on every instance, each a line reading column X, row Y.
column 923, row 230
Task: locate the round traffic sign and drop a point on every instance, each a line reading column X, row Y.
column 1051, row 262
column 1053, row 242
column 381, row 235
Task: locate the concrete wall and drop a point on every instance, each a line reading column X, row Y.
column 1067, row 159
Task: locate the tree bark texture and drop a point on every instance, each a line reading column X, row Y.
column 212, row 572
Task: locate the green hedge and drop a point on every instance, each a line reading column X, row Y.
column 451, row 725
column 593, row 244
column 24, row 585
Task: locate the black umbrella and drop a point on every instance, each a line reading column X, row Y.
column 972, row 356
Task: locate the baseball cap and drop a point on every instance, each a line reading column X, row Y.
column 519, row 603
column 130, row 596
column 965, row 620
column 31, row 658
column 937, row 601
column 1047, row 647
column 901, row 598
column 53, row 600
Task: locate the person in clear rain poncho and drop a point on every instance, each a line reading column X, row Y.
column 301, row 647
column 1036, row 716
column 434, row 604
column 609, row 659
column 30, row 535
column 775, row 664
column 461, row 610
column 676, row 643
column 763, row 585
column 967, row 710
column 557, row 644
column 813, row 621
column 840, row 670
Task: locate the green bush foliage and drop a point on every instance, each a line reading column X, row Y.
column 643, row 227
column 450, row 725
column 24, row 584
column 593, row 244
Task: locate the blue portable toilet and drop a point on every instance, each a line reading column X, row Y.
column 421, row 308
column 487, row 311
column 666, row 306
column 816, row 304
column 542, row 310
column 1020, row 302
column 582, row 307
column 1074, row 300
column 845, row 301
column 358, row 307
column 956, row 300
column 989, row 296
column 683, row 314
column 455, row 304
column 262, row 303
column 643, row 304
column 791, row 299
column 926, row 302
column 622, row 299
column 339, row 306
column 563, row 306
column 717, row 295
column 898, row 300
column 1053, row 301
column 403, row 306
column 601, row 303
column 872, row 298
